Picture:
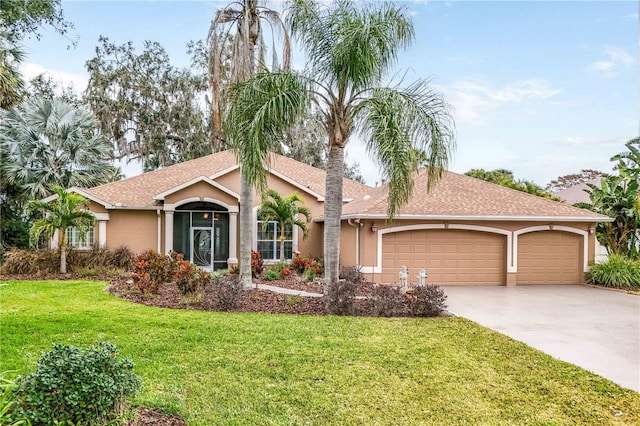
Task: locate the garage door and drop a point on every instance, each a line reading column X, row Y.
column 549, row 257
column 449, row 256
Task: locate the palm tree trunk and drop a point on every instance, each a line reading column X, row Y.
column 282, row 245
column 332, row 213
column 63, row 251
column 246, row 231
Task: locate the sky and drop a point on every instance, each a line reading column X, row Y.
column 542, row 88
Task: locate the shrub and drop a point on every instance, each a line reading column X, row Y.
column 19, row 261
column 285, row 272
column 301, row 264
column 188, row 277
column 339, row 298
column 617, row 271
column 223, row 293
column 76, row 386
column 352, row 274
column 387, row 301
column 7, row 401
column 122, row 257
column 151, row 270
column 257, row 264
column 271, row 274
column 292, row 300
column 427, row 301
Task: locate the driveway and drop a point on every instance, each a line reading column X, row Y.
column 596, row 329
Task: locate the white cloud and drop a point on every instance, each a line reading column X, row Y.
column 472, row 99
column 581, row 141
column 77, row 81
column 616, row 58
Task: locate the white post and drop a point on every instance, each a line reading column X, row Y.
column 233, row 241
column 168, row 231
column 102, row 234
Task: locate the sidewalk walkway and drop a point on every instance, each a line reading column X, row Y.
column 287, row 291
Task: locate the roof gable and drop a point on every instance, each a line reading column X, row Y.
column 148, row 189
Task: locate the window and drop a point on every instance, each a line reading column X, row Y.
column 269, row 240
column 74, row 240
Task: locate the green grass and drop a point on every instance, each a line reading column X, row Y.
column 252, row 369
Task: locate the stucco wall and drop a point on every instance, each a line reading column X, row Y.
column 137, row 230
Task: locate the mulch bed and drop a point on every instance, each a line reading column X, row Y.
column 253, row 300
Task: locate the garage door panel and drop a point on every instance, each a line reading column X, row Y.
column 450, row 256
column 549, row 257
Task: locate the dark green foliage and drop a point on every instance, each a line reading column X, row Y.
column 352, row 274
column 339, row 298
column 505, row 178
column 387, row 301
column 81, row 386
column 617, row 271
column 223, row 293
column 427, row 301
column 271, row 274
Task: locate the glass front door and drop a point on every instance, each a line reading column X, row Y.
column 202, row 247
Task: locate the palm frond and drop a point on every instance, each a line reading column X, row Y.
column 406, row 129
column 262, row 109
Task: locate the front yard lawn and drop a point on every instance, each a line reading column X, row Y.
column 248, row 369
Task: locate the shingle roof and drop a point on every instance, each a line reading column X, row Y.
column 138, row 191
column 576, row 193
column 462, row 196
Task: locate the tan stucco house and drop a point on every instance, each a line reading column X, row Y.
column 463, row 231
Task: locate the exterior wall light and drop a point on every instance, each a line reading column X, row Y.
column 374, row 228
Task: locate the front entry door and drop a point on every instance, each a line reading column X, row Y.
column 202, row 247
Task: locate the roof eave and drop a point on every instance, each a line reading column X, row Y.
column 379, row 216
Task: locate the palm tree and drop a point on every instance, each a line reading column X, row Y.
column 350, row 49
column 617, row 197
column 286, row 213
column 46, row 142
column 61, row 214
column 247, row 53
column 11, row 81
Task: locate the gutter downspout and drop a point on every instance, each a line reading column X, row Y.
column 159, row 231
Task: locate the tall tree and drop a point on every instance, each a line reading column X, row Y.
column 285, row 212
column 240, row 22
column 61, row 214
column 20, row 19
column 11, row 81
column 505, row 178
column 349, row 48
column 151, row 110
column 45, row 142
column 567, row 181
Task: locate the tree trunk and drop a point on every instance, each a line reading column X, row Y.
column 332, row 213
column 282, row 245
column 246, row 231
column 63, row 251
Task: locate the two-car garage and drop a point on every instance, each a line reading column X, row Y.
column 472, row 257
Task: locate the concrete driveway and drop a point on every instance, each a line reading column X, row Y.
column 596, row 329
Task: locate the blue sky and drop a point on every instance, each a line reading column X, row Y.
column 540, row 88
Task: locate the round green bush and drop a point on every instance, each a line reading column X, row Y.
column 75, row 386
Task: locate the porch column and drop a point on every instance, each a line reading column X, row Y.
column 233, row 242
column 102, row 219
column 168, row 231
column 102, row 234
